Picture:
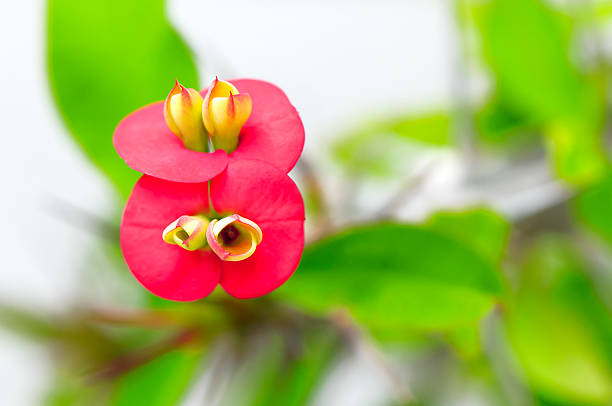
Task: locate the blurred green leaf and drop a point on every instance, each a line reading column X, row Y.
column 395, row 278
column 602, row 9
column 66, row 392
column 161, row 382
column 296, row 378
column 552, row 329
column 283, row 371
column 527, row 45
column 433, row 128
column 578, row 150
column 593, row 208
column 376, row 146
column 465, row 340
column 107, row 58
column 498, row 122
column 485, row 231
column 28, row 323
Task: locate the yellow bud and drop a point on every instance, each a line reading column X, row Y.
column 182, row 111
column 224, row 112
column 233, row 238
column 189, row 232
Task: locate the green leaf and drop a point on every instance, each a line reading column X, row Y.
column 28, row 323
column 395, row 278
column 592, row 208
column 432, row 128
column 161, row 382
column 577, row 148
column 72, row 392
column 465, row 341
column 376, row 146
column 283, row 371
column 527, row 45
column 602, row 10
column 107, row 58
column 559, row 328
column 485, row 231
column 295, row 380
column 496, row 121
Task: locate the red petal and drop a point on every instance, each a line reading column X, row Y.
column 274, row 132
column 257, row 191
column 274, row 261
column 147, row 145
column 166, row 270
column 265, row 195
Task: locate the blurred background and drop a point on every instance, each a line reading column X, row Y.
column 458, row 193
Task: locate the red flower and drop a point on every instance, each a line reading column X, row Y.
column 273, row 133
column 270, row 219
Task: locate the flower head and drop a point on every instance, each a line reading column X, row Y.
column 272, row 132
column 254, row 240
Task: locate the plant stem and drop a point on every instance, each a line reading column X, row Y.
column 128, row 362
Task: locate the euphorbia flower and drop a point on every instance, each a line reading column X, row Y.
column 254, row 239
column 272, row 133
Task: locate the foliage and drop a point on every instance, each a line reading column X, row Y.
column 555, row 94
column 560, row 329
column 415, row 277
column 106, row 59
column 375, row 146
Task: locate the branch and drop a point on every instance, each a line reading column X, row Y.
column 131, row 317
column 126, row 363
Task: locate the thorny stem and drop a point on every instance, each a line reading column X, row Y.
column 128, row 362
column 130, row 317
column 340, row 321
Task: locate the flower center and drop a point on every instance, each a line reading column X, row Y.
column 233, row 238
column 229, row 234
column 188, row 232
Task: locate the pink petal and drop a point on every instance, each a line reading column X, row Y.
column 274, row 261
column 166, row 270
column 274, row 132
column 265, row 195
column 257, row 191
column 147, row 145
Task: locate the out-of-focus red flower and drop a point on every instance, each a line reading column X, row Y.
column 273, row 132
column 250, row 241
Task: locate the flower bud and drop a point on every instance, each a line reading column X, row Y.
column 224, row 112
column 182, row 111
column 189, row 232
column 233, row 238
